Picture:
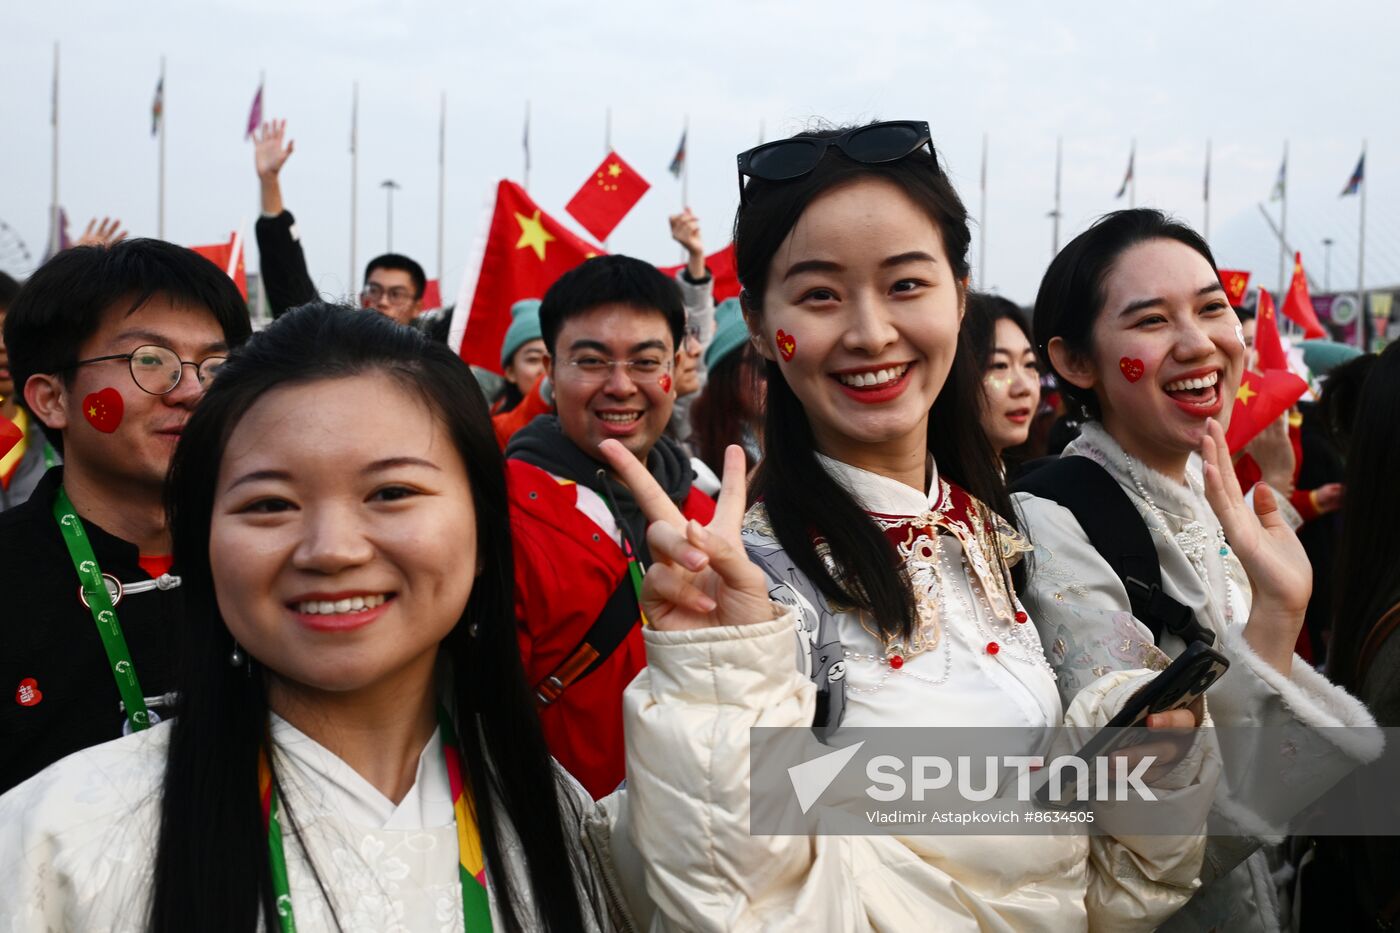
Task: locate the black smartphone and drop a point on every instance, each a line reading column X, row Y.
column 1181, row 684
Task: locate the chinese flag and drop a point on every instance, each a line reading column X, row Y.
column 10, row 435
column 526, row 251
column 228, row 257
column 432, row 296
column 721, row 266
column 1267, row 344
column 1297, row 304
column 1235, row 283
column 1259, row 401
column 607, row 196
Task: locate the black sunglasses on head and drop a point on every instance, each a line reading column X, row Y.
column 787, row 159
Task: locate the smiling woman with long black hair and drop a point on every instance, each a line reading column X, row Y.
column 356, row 747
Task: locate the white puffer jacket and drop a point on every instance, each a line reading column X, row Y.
column 682, row 850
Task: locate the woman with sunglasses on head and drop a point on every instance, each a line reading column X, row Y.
column 880, row 534
column 1136, row 326
column 356, row 747
column 1001, row 341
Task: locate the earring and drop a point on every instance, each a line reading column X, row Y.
column 237, row 658
column 471, row 630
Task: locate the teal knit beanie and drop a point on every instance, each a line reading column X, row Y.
column 524, row 327
column 730, row 332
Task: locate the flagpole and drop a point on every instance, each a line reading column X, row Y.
column 1055, row 214
column 761, row 133
column 1283, row 223
column 1361, row 257
column 442, row 177
column 55, row 235
column 607, row 132
column 354, row 178
column 160, row 189
column 1206, row 195
column 982, row 223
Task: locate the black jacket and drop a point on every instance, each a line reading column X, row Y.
column 51, row 655
column 285, row 279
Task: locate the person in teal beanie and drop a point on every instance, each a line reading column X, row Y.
column 522, row 355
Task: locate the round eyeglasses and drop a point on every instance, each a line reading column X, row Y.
column 156, row 370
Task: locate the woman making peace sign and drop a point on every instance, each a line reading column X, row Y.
column 882, row 535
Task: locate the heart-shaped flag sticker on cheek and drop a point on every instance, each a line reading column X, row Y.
column 28, row 693
column 103, row 410
column 664, row 382
column 1132, row 369
column 787, row 345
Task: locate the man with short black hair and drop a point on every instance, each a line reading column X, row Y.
column 111, row 349
column 612, row 327
column 394, row 287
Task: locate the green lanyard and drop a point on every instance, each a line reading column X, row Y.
column 48, row 456
column 103, row 613
column 476, row 906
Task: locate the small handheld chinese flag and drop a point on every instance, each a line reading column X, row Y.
column 1297, row 304
column 1259, row 401
column 1236, row 283
column 1268, row 346
column 526, row 251
column 607, row 196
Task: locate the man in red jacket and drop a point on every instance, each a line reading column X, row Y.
column 612, row 328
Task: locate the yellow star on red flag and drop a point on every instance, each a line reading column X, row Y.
column 533, row 234
column 1244, row 393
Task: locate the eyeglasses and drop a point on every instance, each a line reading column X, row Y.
column 595, row 369
column 876, row 144
column 398, row 295
column 157, row 370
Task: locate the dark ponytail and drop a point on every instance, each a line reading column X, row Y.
column 803, row 500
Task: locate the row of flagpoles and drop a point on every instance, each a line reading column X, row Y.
column 600, row 225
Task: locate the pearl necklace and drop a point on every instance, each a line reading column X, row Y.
column 1192, row 539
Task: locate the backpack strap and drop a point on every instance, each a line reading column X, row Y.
column 1382, row 630
column 614, row 623
column 1119, row 533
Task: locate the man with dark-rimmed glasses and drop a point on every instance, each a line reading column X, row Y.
column 111, row 349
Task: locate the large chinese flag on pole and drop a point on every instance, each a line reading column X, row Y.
column 721, row 266
column 1268, row 346
column 607, row 196
column 1259, row 401
column 526, row 251
column 1297, row 304
column 228, row 257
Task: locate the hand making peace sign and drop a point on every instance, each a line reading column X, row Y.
column 700, row 576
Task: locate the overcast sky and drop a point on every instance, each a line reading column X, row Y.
column 1245, row 75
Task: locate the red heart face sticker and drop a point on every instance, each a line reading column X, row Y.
column 1132, row 369
column 787, row 345
column 103, row 410
column 664, row 382
column 28, row 693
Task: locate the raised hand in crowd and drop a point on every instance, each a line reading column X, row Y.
column 103, row 233
column 1273, row 451
column 700, row 576
column 269, row 155
column 685, row 230
column 1273, row 558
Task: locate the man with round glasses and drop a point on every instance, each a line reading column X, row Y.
column 111, row 348
column 612, row 329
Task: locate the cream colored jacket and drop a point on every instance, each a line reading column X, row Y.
column 686, row 860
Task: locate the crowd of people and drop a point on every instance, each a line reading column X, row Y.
column 320, row 628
